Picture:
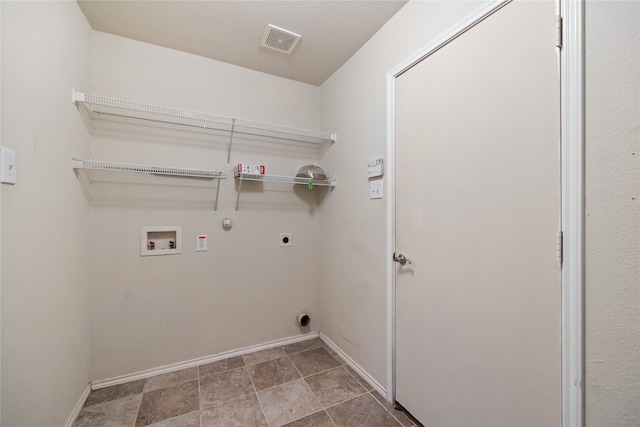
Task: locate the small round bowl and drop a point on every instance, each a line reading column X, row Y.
column 311, row 172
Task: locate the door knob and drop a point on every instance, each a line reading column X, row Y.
column 401, row 259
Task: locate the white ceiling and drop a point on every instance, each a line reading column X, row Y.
column 231, row 31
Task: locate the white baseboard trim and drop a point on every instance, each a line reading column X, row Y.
column 78, row 407
column 95, row 385
column 364, row 374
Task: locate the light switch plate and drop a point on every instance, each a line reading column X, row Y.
column 7, row 166
column 375, row 167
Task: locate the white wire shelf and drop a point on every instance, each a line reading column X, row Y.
column 132, row 109
column 148, row 169
column 286, row 179
column 151, row 170
column 283, row 179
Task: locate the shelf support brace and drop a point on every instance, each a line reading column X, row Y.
column 233, row 128
column 215, row 206
column 238, row 196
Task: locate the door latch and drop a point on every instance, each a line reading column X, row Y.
column 401, row 259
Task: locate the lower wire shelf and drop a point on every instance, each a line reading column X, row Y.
column 287, row 179
column 283, row 179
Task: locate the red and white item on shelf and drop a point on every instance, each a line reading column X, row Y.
column 249, row 169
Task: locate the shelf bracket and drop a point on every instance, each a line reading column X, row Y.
column 233, row 128
column 215, row 206
column 238, row 196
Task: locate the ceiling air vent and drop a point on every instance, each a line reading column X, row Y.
column 279, row 39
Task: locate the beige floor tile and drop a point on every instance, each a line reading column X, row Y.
column 288, row 402
column 249, row 390
column 225, row 386
column 363, row 411
column 334, row 354
column 224, row 365
column 115, row 392
column 313, row 361
column 159, row 405
column 297, row 347
column 171, row 378
column 241, row 412
column 319, row 419
column 334, row 386
column 272, row 373
column 192, row 419
column 398, row 415
column 119, row 412
column 263, row 355
column 361, row 380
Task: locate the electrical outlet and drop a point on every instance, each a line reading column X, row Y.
column 375, row 189
column 286, row 240
column 201, row 242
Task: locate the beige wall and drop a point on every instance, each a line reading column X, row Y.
column 245, row 290
column 612, row 288
column 353, row 227
column 45, row 216
column 146, row 312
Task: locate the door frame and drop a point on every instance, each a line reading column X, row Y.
column 572, row 204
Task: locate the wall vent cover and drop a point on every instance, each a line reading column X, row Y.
column 280, row 39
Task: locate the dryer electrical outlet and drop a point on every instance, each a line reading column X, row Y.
column 286, row 240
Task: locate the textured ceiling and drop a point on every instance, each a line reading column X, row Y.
column 231, row 31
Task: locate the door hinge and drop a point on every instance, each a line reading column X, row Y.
column 560, row 247
column 559, row 32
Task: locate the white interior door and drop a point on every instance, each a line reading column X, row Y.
column 478, row 310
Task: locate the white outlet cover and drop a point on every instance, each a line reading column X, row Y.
column 375, row 189
column 201, row 243
column 7, row 166
column 285, row 240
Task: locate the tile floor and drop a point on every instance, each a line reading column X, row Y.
column 303, row 384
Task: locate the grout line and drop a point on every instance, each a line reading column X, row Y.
column 325, row 371
column 348, row 400
column 314, row 395
column 342, row 365
column 306, row 349
column 295, row 367
column 263, row 361
column 173, row 384
column 321, row 410
column 329, row 415
column 199, row 400
column 138, row 411
column 356, row 378
column 255, row 390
